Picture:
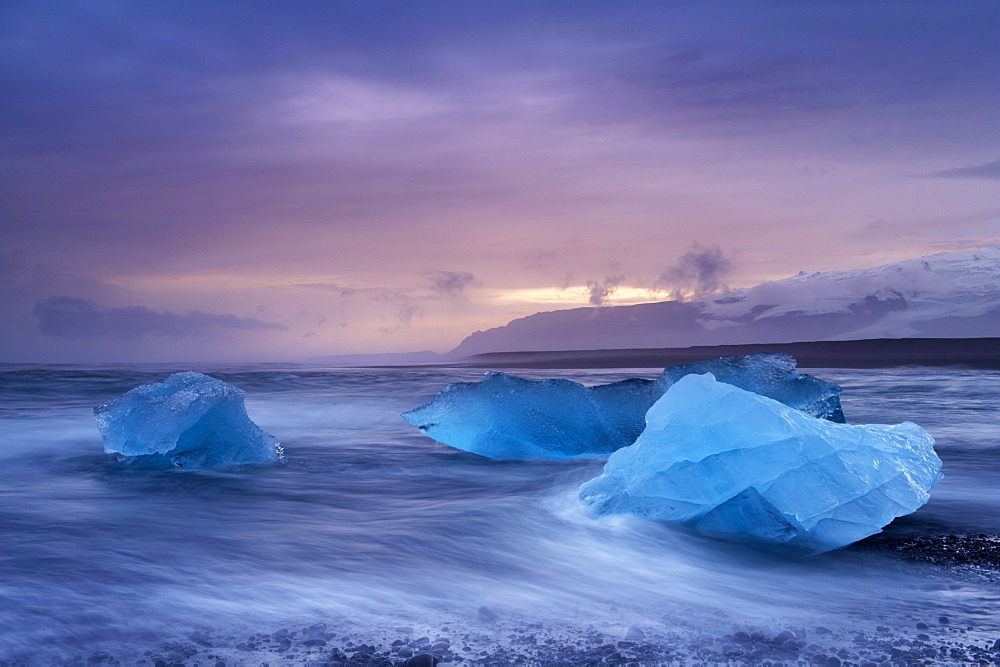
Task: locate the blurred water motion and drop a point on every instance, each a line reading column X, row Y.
column 371, row 523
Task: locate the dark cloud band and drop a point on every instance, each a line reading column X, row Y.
column 990, row 170
column 69, row 317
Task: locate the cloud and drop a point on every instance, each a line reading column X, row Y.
column 600, row 292
column 540, row 261
column 343, row 290
column 69, row 317
column 990, row 171
column 404, row 313
column 700, row 271
column 450, row 282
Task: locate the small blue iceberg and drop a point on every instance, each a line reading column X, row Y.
column 189, row 420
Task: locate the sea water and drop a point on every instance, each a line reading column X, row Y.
column 370, row 525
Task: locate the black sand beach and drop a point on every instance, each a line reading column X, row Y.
column 977, row 353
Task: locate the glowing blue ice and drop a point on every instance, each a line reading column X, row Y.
column 730, row 462
column 770, row 374
column 189, row 420
column 507, row 417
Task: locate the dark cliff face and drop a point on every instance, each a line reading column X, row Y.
column 676, row 324
column 591, row 328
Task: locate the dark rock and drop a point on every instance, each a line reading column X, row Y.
column 944, row 620
column 822, row 631
column 405, row 652
column 422, row 660
column 791, row 645
column 923, row 637
column 922, row 626
column 486, row 615
column 635, row 634
column 784, row 636
column 741, row 637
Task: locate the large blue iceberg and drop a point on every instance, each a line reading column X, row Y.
column 729, row 462
column 507, row 417
column 189, row 420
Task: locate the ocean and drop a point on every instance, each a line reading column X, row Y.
column 370, row 532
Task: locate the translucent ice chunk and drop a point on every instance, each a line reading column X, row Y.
column 189, row 420
column 507, row 417
column 770, row 374
column 730, row 462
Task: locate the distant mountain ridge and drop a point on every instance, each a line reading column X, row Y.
column 946, row 295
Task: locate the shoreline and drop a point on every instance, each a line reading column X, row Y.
column 971, row 353
column 489, row 639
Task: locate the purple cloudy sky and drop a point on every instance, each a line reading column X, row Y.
column 275, row 180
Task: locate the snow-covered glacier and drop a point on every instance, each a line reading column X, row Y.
column 730, row 462
column 507, row 417
column 189, row 420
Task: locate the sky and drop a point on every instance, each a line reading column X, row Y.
column 266, row 180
